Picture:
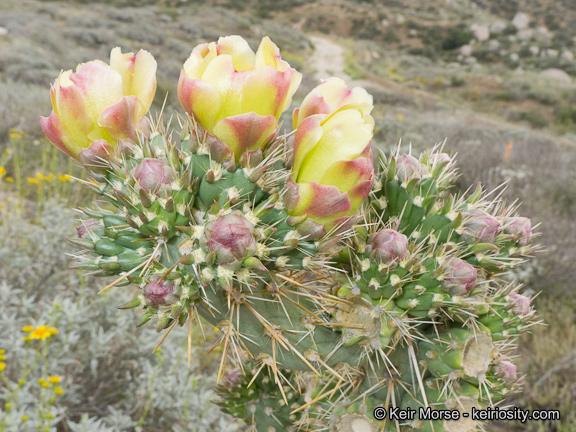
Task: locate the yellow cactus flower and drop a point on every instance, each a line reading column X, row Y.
column 100, row 104
column 235, row 94
column 332, row 171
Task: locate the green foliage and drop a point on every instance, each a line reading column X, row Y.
column 456, row 37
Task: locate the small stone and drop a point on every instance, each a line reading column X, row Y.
column 498, row 27
column 557, row 75
column 481, row 31
column 521, row 20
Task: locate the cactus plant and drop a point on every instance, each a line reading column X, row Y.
column 335, row 288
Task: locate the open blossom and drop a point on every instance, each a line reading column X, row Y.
column 100, row 104
column 332, row 172
column 235, row 94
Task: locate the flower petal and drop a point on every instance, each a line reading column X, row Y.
column 345, row 175
column 245, row 132
column 121, row 118
column 72, row 112
column 200, row 100
column 242, row 55
column 201, row 55
column 332, row 95
column 308, row 134
column 138, row 75
column 346, row 134
column 55, row 132
column 321, row 203
column 100, row 85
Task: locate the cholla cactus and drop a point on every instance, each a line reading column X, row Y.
column 336, row 290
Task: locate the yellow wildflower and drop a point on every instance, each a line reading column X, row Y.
column 32, row 180
column 9, row 179
column 15, row 135
column 2, row 366
column 2, row 357
column 2, row 171
column 8, row 405
column 58, row 390
column 2, row 351
column 54, row 379
column 64, row 177
column 43, row 332
column 27, row 339
column 24, row 418
column 27, row 329
column 43, row 382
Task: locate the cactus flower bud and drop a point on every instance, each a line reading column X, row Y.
column 505, row 369
column 520, row 228
column 408, row 167
column 235, row 94
column 479, row 227
column 233, row 378
column 387, row 246
column 459, row 278
column 87, row 226
column 332, row 169
column 438, row 158
column 154, row 175
column 330, row 96
column 521, row 304
column 95, row 157
column 230, row 237
column 100, row 102
column 160, row 292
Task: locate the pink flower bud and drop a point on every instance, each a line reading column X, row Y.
column 230, row 237
column 505, row 369
column 233, row 378
column 408, row 167
column 96, row 156
column 520, row 228
column 87, row 226
column 154, row 175
column 521, row 304
column 440, row 157
column 388, row 245
column 460, row 277
column 160, row 292
column 479, row 227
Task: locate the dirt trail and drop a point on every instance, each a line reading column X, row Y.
column 329, row 60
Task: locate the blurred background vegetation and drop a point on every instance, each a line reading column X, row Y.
column 497, row 79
